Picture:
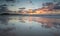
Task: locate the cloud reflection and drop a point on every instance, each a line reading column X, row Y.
column 30, row 24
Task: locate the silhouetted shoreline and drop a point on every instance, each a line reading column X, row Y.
column 32, row 14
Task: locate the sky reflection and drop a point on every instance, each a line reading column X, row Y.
column 30, row 25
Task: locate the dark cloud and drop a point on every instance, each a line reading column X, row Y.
column 10, row 0
column 12, row 5
column 4, row 5
column 7, row 0
column 3, row 8
column 22, row 8
column 56, row 0
column 52, row 5
column 58, row 3
column 48, row 3
column 56, row 7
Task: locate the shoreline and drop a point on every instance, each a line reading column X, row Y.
column 32, row 14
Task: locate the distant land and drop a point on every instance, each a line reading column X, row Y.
column 32, row 14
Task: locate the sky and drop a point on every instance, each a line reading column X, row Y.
column 14, row 5
column 29, row 4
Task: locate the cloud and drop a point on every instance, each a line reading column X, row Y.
column 10, row 0
column 7, row 0
column 52, row 5
column 22, row 8
column 56, row 7
column 47, row 3
column 4, row 5
column 3, row 8
column 58, row 3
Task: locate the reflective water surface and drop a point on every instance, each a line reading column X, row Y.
column 29, row 26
